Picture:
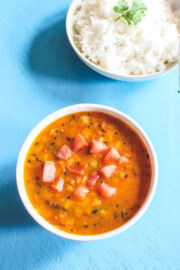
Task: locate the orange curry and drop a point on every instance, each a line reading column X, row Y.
column 87, row 173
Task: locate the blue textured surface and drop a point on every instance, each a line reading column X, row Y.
column 40, row 74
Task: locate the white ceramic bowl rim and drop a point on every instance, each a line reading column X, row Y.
column 99, row 69
column 51, row 118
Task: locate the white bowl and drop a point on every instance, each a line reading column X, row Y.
column 102, row 71
column 51, row 118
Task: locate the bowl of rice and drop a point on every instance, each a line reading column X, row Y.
column 124, row 47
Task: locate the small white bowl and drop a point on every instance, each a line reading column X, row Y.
column 102, row 71
column 51, row 118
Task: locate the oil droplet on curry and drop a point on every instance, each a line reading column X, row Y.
column 87, row 173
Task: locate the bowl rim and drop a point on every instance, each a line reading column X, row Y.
column 99, row 69
column 51, row 118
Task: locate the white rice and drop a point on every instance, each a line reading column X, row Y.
column 146, row 48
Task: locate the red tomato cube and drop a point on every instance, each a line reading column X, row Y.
column 49, row 171
column 122, row 160
column 79, row 143
column 64, row 152
column 58, row 184
column 106, row 191
column 81, row 192
column 77, row 169
column 92, row 179
column 107, row 170
column 112, row 155
column 97, row 147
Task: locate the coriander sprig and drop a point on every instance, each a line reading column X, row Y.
column 131, row 15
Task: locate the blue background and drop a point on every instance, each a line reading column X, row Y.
column 39, row 73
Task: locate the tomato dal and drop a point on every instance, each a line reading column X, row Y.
column 87, row 173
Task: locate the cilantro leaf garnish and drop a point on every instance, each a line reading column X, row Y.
column 131, row 15
column 121, row 7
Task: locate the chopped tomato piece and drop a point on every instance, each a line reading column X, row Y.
column 107, row 171
column 92, row 179
column 97, row 147
column 49, row 171
column 55, row 221
column 81, row 192
column 106, row 191
column 58, row 184
column 112, row 155
column 122, row 160
column 79, row 143
column 77, row 169
column 64, row 152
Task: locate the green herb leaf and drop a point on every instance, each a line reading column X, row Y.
column 121, row 7
column 131, row 15
column 52, row 146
